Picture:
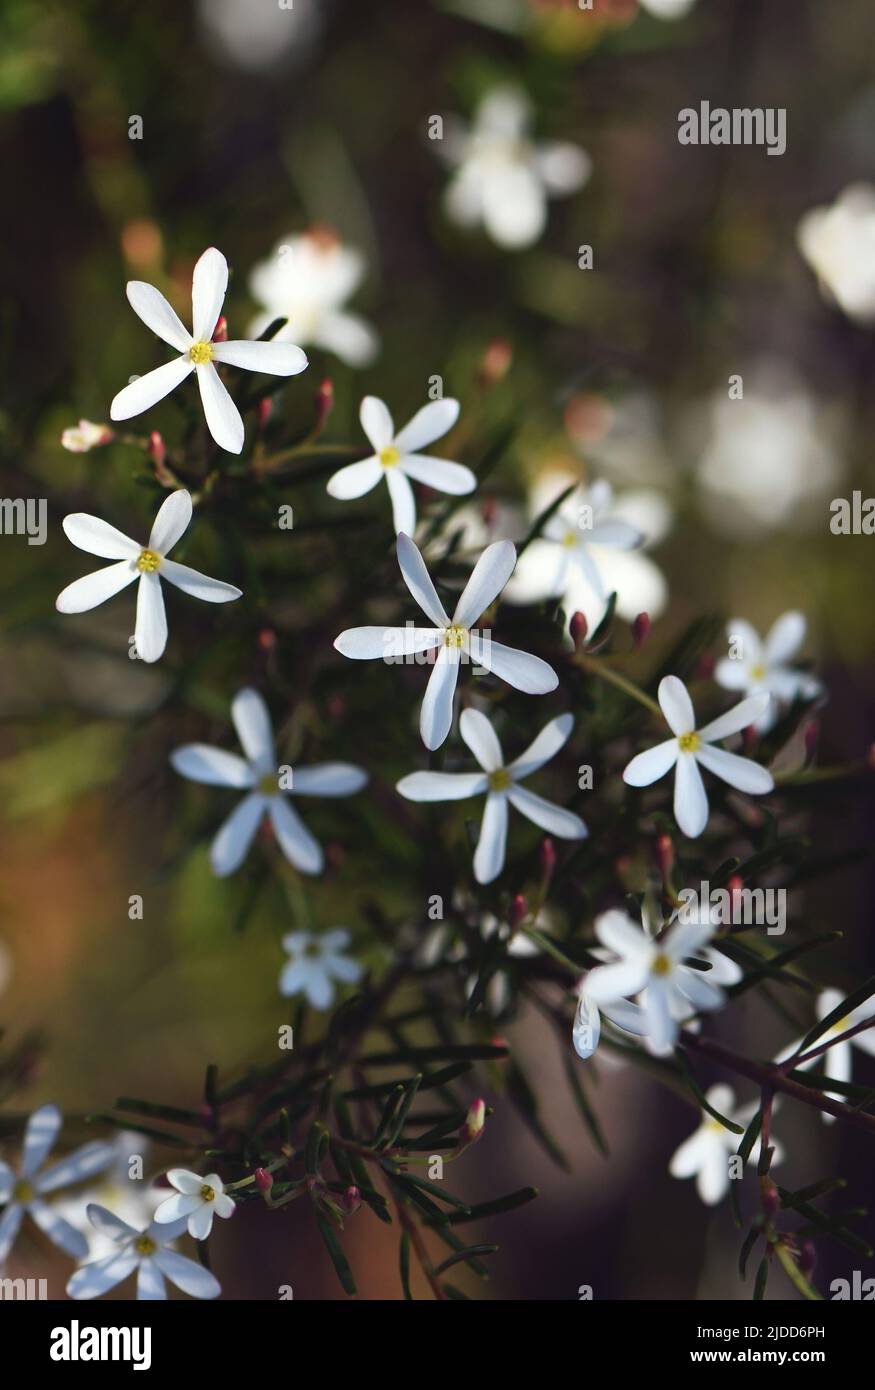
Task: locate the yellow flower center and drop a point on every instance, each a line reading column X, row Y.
column 208, row 1193
column 499, row 781
column 455, row 635
column 148, row 561
column 22, row 1192
column 144, row 1245
column 689, row 742
column 758, row 673
column 661, row 964
column 389, row 457
column 200, row 353
column 267, row 784
column 570, row 539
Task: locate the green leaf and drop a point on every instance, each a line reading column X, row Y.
column 158, row 1135
column 404, row 1265
column 798, row 1198
column 847, row 1006
column 160, row 1112
column 702, row 1098
column 495, row 1207
column 471, row 1052
column 523, row 1097
column 750, row 1241
column 397, row 1123
column 761, row 1280
column 581, row 1100
column 460, row 1255
column 335, row 1252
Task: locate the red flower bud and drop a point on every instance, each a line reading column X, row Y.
column 664, row 854
column 641, row 630
column 324, row 404
column 263, row 1179
column 352, row 1200
column 474, row 1122
column 812, row 738
column 705, row 666
column 267, row 639
column 517, row 912
column 578, row 628
column 807, row 1259
column 157, row 448
column 220, row 332
column 264, row 412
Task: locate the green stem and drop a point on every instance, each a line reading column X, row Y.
column 596, row 668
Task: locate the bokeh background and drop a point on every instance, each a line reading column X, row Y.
column 257, row 124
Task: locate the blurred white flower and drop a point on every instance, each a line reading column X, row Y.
column 757, row 665
column 315, row 963
column 455, row 640
column 307, row 279
column 587, row 1027
column 256, row 35
column 838, row 242
column 85, row 436
column 837, row 1062
column 591, row 548
column 264, row 781
column 517, row 945
column 501, row 785
column 200, row 353
column 23, row 1193
column 196, row 1201
column 502, row 178
column 149, row 1252
column 691, row 746
column 668, row 9
column 397, row 459
column 769, row 458
column 705, row 1155
column 132, row 1199
column 148, row 564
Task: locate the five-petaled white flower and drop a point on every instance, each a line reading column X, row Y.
column 502, row 178
column 148, row 1252
column 199, row 353
column 757, row 665
column 315, row 963
column 397, row 459
column 264, row 780
column 670, row 991
column 196, row 1201
column 454, row 638
column 838, row 242
column 148, row 564
column 691, row 747
column 23, row 1193
column 706, row 1153
column 82, row 438
column 837, row 1062
column 501, row 784
column 307, row 280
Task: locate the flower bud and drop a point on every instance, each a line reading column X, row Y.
column 263, row 412
column 517, row 912
column 578, row 628
column 664, row 854
column 474, row 1122
column 220, row 332
column 263, row 1180
column 641, row 630
column 495, row 363
column 770, row 1199
column 324, row 404
column 157, row 449
column 352, row 1200
column 548, row 857
column 79, row 440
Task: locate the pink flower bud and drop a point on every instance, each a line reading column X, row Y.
column 352, row 1200
column 578, row 628
column 496, row 362
column 86, row 436
column 324, row 404
column 157, row 448
column 641, row 630
column 548, row 856
column 263, row 1179
column 517, row 912
column 220, row 332
column 474, row 1122
column 812, row 738
column 770, row 1199
column 664, row 854
column 705, row 666
column 263, row 412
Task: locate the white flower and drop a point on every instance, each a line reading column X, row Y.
column 455, row 639
column 501, row 784
column 705, row 1155
column 132, row 1199
column 837, row 1062
column 691, row 747
column 79, row 440
column 146, row 1251
column 24, row 1192
column 669, row 990
column 199, row 353
column 761, row 665
column 668, row 9
column 502, row 178
column 587, row 1027
column 315, row 963
column 397, row 459
column 307, row 279
column 838, row 242
column 263, row 778
column 148, row 564
column 196, row 1201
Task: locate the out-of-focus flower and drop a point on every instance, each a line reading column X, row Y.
column 691, row 746
column 454, row 639
column 79, row 439
column 667, row 9
column 502, row 178
column 705, row 1155
column 149, row 1252
column 838, row 242
column 307, row 279
column 199, row 353
column 397, row 459
column 500, row 783
column 586, row 1030
column 315, row 963
column 769, row 458
column 23, row 1193
column 838, row 1061
column 132, row 1199
column 589, row 549
column 517, row 945
column 148, row 564
column 267, row 786
column 757, row 665
column 196, row 1201
column 257, row 37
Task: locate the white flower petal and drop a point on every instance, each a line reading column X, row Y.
column 99, row 538
column 108, row 1224
column 418, row 581
column 690, row 799
column 436, row 714
column 84, row 1162
column 42, row 1130
column 295, row 840
column 621, row 935
column 427, row 425
column 627, row 1016
column 7, row 1182
column 586, row 1029
column 178, row 1207
column 150, row 305
column 488, row 578
column 652, row 764
column 328, row 779
column 607, row 983
column 712, row 1183
column 150, row 1282
column 147, row 390
column 10, row 1225
column 208, row 286
column 676, row 705
column 223, row 418
column 686, row 1161
column 97, row 1278
column 95, row 588
column 187, row 1275
column 150, row 630
column 172, row 521
column 736, row 719
column 614, row 535
column 319, row 988
column 745, row 642
column 442, row 786
column 481, row 738
column 198, row 585
column 514, row 206
column 403, row 502
column 563, row 167
column 519, row 669
column 200, row 1222
column 355, row 479
column 543, row 747
column 252, row 721
column 236, row 834
column 784, row 638
column 554, row 819
column 440, row 474
column 489, row 854
column 376, row 422
column 348, row 337
column 200, row 762
column 382, row 643
column 59, row 1231
column 275, row 359
column 186, row 1182
column 732, row 674
column 741, row 773
column 662, row 1029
